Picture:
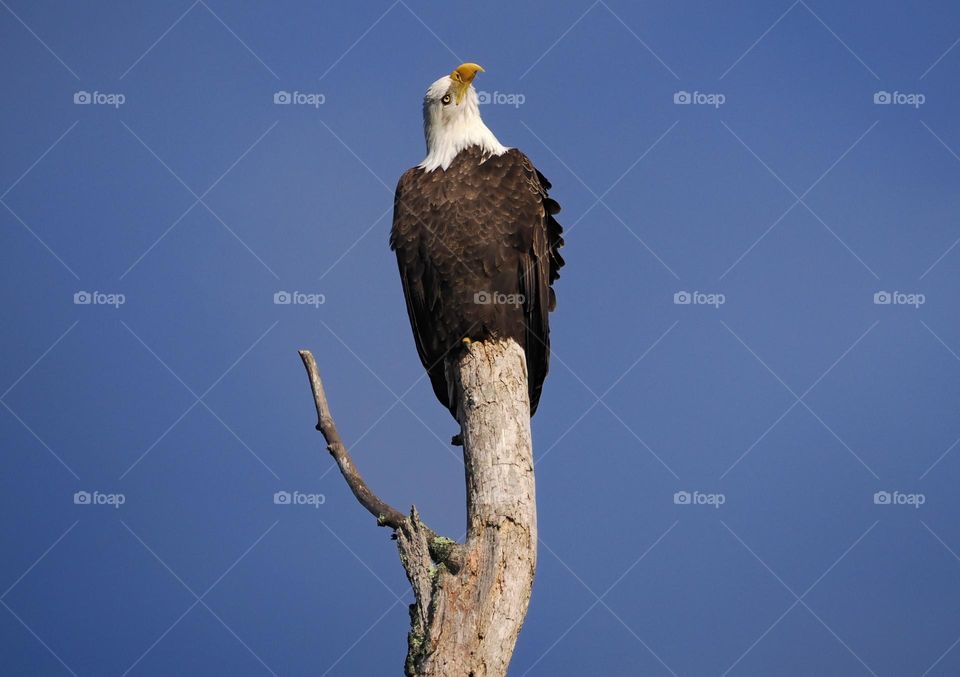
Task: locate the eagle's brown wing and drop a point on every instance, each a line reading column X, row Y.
column 483, row 225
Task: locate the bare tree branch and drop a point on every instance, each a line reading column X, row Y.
column 386, row 514
column 470, row 598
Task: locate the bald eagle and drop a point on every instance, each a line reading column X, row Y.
column 476, row 240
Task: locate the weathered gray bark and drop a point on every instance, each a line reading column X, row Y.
column 471, row 598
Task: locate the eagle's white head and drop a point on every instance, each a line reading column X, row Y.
column 451, row 119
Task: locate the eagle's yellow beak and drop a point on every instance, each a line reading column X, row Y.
column 462, row 76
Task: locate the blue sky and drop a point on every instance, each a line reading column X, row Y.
column 759, row 481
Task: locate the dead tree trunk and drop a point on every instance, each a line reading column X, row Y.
column 470, row 598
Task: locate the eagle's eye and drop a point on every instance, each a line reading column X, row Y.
column 445, row 100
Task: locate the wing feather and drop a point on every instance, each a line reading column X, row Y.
column 484, row 224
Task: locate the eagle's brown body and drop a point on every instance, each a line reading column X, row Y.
column 478, row 250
